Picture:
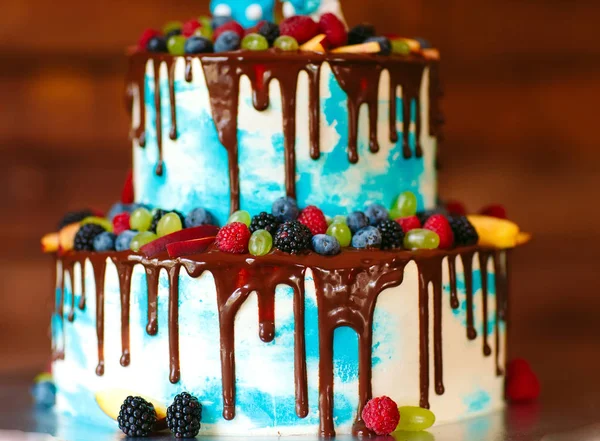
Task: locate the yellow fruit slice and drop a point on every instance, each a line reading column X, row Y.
column 314, row 44
column 372, row 47
column 494, row 232
column 431, row 54
column 523, row 238
column 110, row 402
column 50, row 243
column 66, row 237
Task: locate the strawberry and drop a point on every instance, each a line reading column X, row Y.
column 409, row 223
column 334, row 29
column 233, row 238
column 127, row 195
column 146, row 36
column 229, row 26
column 495, row 210
column 190, row 26
column 522, row 385
column 301, row 27
column 438, row 223
column 381, row 415
column 314, row 219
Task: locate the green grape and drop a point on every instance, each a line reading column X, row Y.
column 240, row 216
column 255, row 42
column 141, row 239
column 286, row 43
column 104, row 223
column 415, row 419
column 339, row 219
column 140, row 220
column 341, row 232
column 169, row 223
column 405, row 205
column 421, row 239
column 405, row 435
column 261, row 243
column 172, row 26
column 176, row 45
column 400, row 47
column 204, row 32
column 205, row 21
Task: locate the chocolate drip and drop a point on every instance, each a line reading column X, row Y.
column 483, row 268
column 136, row 79
column 59, row 353
column 82, row 298
column 361, row 84
column 501, row 272
column 189, row 74
column 152, row 274
column 436, row 92
column 454, row 304
column 124, row 270
column 171, row 78
column 71, row 271
column 314, row 108
column 99, row 265
column 158, row 124
column 174, row 370
column 467, row 261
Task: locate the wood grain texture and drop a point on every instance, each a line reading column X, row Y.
column 521, row 80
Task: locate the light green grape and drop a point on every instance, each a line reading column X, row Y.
column 415, row 419
column 255, row 42
column 341, row 232
column 204, row 32
column 176, row 45
column 205, row 21
column 141, row 239
column 169, row 223
column 104, row 223
column 172, row 26
column 140, row 220
column 240, row 216
column 286, row 43
column 261, row 243
column 405, row 205
column 421, row 239
column 400, row 47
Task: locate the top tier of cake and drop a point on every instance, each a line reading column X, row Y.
column 238, row 130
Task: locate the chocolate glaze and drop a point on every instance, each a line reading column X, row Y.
column 358, row 75
column 347, row 288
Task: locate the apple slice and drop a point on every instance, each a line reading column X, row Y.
column 50, row 243
column 190, row 247
column 110, row 402
column 159, row 246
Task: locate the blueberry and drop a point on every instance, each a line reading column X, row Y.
column 424, row 43
column 228, row 41
column 326, row 245
column 357, row 221
column 358, row 34
column 285, row 209
column 197, row 217
column 377, row 213
column 270, row 31
column 104, row 242
column 368, row 237
column 124, row 240
column 384, row 43
column 220, row 20
column 157, row 44
column 198, row 45
column 44, row 394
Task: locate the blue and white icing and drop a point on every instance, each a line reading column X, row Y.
column 248, row 13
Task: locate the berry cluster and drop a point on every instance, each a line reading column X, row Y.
column 300, row 32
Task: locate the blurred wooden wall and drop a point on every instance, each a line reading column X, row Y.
column 520, row 77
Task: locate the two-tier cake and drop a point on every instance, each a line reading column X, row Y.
column 337, row 275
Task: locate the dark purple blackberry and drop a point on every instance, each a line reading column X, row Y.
column 270, row 31
column 184, row 415
column 136, row 417
column 265, row 221
column 159, row 213
column 464, row 232
column 84, row 239
column 392, row 235
column 292, row 237
column 74, row 216
column 359, row 34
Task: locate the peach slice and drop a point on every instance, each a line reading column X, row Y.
column 50, row 243
column 315, row 44
column 190, row 247
column 159, row 245
column 494, row 232
column 372, row 47
column 110, row 402
column 431, row 54
column 66, row 237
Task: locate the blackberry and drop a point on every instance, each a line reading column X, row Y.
column 84, row 239
column 136, row 417
column 270, row 31
column 159, row 213
column 184, row 415
column 392, row 235
column 292, row 237
column 74, row 216
column 359, row 34
column 265, row 221
column 464, row 232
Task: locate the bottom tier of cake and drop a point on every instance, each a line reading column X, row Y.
column 282, row 345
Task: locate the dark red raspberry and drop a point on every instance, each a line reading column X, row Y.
column 334, row 29
column 233, row 238
column 438, row 223
column 229, row 26
column 409, row 223
column 121, row 223
column 381, row 415
column 146, row 36
column 190, row 26
column 301, row 27
column 456, row 208
column 314, row 219
column 522, row 385
column 494, row 211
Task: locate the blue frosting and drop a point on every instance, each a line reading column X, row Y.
column 240, row 12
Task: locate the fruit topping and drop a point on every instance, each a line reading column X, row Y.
column 190, row 247
column 285, row 209
column 315, row 44
column 286, row 44
column 409, row 223
column 314, row 219
column 168, row 224
column 268, row 30
column 334, row 29
column 261, row 243
column 123, row 241
column 359, row 34
column 121, row 222
column 326, row 245
column 197, row 217
column 172, row 28
column 368, row 237
column 140, row 219
column 456, row 208
column 127, row 194
column 104, row 223
column 240, row 216
column 66, row 237
column 384, row 44
column 50, row 243
column 137, row 417
column 84, row 239
column 176, row 45
column 157, row 44
column 494, row 211
column 233, row 238
column 159, row 246
column 198, row 45
column 189, row 27
column 141, row 239
column 415, row 419
column 421, row 239
column 157, row 215
column 219, row 20
column 392, row 235
column 184, row 415
column 372, row 47
column 464, row 233
column 227, row 41
column 255, row 42
column 146, row 36
column 301, row 27
column 74, row 217
column 43, row 391
column 438, row 223
column 381, row 415
column 357, row 221
column 495, row 232
column 376, row 213
column 522, row 384
column 405, row 205
column 341, row 232
column 293, row 237
column 229, row 26
column 104, row 242
column 265, row 221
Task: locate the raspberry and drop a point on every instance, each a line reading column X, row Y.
column 84, row 239
column 127, row 193
column 233, row 238
column 121, row 223
column 334, row 29
column 494, row 211
column 137, row 417
column 456, row 208
column 409, row 223
column 301, row 27
column 522, row 385
column 229, row 26
column 464, row 233
column 381, row 415
column 314, row 219
column 293, row 237
column 146, row 36
column 190, row 26
column 438, row 223
column 265, row 221
column 184, row 415
column 392, row 235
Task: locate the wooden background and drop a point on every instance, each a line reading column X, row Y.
column 520, row 78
